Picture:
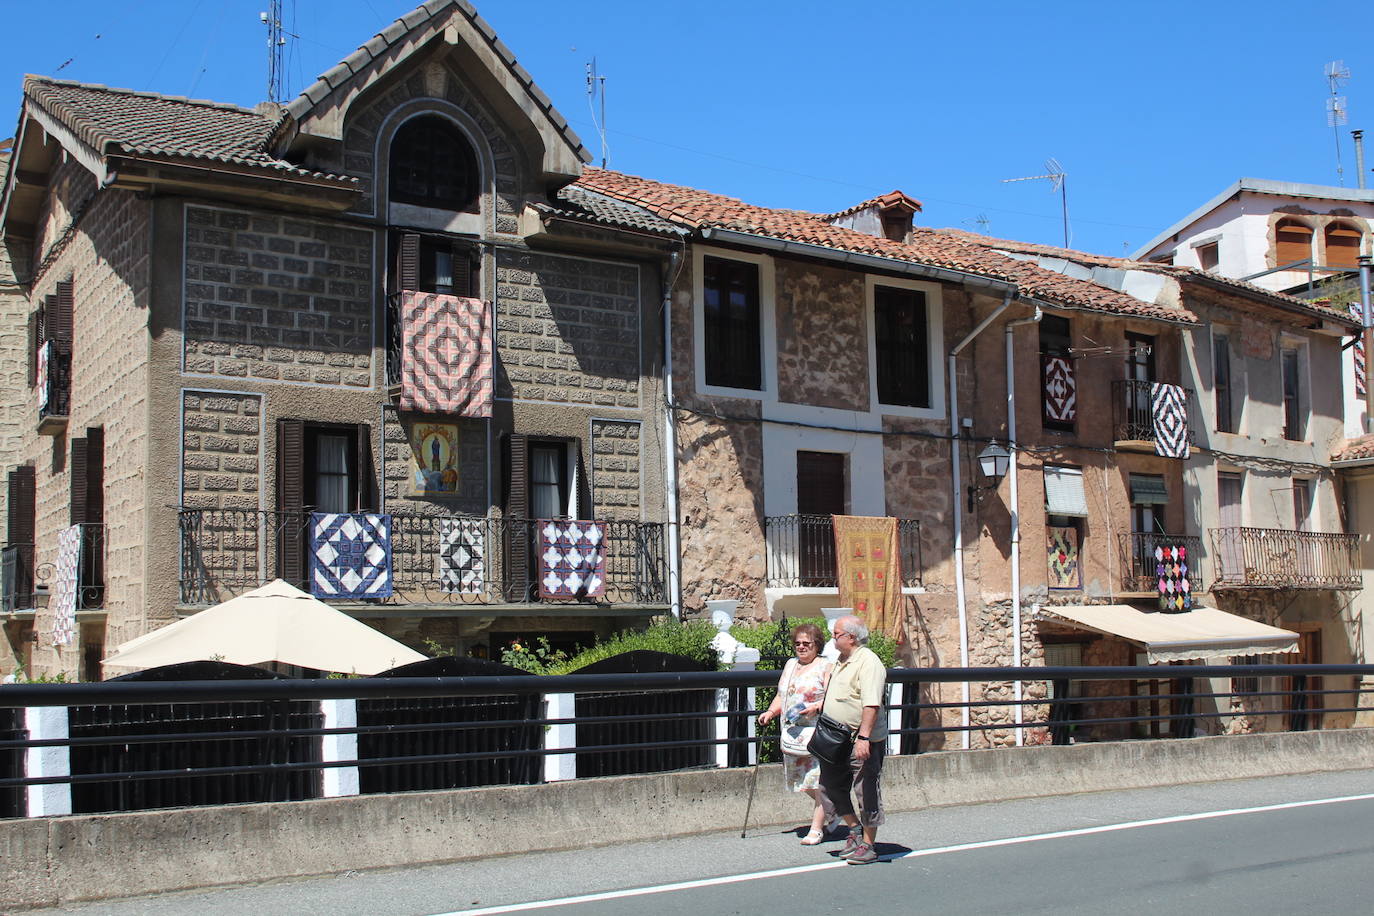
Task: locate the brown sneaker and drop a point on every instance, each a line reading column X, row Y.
column 863, row 854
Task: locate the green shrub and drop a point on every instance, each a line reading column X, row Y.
column 691, row 639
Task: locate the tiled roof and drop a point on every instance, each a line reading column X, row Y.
column 696, row 210
column 882, row 201
column 589, row 206
column 1250, row 290
column 145, row 124
column 1355, row 449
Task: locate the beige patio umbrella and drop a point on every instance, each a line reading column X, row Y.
column 275, row 623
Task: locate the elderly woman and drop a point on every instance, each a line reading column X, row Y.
column 800, row 691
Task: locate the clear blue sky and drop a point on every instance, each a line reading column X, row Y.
column 1152, row 109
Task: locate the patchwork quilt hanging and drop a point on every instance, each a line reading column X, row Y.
column 1170, row 413
column 445, row 354
column 572, row 558
column 1061, row 389
column 462, row 553
column 1356, row 310
column 869, row 568
column 1171, row 569
column 65, row 585
column 44, row 358
column 350, row 555
column 1064, row 570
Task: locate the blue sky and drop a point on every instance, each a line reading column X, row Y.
column 1151, row 109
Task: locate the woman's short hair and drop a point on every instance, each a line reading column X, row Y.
column 812, row 632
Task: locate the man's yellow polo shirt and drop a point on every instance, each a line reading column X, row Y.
column 854, row 684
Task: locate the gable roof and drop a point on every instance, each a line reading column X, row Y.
column 702, row 211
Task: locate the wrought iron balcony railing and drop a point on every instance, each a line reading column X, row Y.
column 18, row 587
column 1133, row 414
column 52, row 415
column 801, row 551
column 1143, row 553
column 1279, row 558
column 225, row 552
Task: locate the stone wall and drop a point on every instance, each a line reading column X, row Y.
column 221, row 451
column 822, row 336
column 567, row 330
column 14, row 366
column 615, row 469
column 278, row 297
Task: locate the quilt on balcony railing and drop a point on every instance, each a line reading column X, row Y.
column 462, row 553
column 446, row 355
column 1170, row 414
column 869, row 569
column 44, row 356
column 350, row 555
column 1061, row 389
column 65, row 585
column 572, row 558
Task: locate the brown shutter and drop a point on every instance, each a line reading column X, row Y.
column 95, row 474
column 78, row 475
column 21, row 503
column 34, row 342
column 519, row 531
column 293, row 522
column 60, row 316
column 462, row 272
column 365, row 499
column 408, row 262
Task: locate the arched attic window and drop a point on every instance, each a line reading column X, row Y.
column 1292, row 242
column 1343, row 245
column 433, row 165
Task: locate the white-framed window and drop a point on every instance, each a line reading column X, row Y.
column 733, row 328
column 905, row 374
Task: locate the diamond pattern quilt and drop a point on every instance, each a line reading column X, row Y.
column 350, row 555
column 446, row 354
column 462, row 551
column 572, row 559
column 1356, row 311
column 65, row 585
column 1061, row 389
column 1171, row 568
column 1170, row 415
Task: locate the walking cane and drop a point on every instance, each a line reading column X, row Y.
column 753, row 782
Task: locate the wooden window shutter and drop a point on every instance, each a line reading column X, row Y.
column 60, row 316
column 462, row 273
column 291, row 500
column 366, row 492
column 95, row 474
column 408, row 262
column 78, row 468
column 34, row 341
column 22, row 504
column 519, row 533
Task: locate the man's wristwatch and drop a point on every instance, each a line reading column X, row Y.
column 861, row 738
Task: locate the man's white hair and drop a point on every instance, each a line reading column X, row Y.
column 855, row 627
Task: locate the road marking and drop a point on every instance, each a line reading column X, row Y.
column 914, row 854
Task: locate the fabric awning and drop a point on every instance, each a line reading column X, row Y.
column 1200, row 634
column 1064, row 492
column 1148, row 491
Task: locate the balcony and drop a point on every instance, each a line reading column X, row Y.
column 1142, row 553
column 1133, row 416
column 16, row 578
column 225, row 552
column 1279, row 558
column 56, row 396
column 801, row 551
column 20, row 592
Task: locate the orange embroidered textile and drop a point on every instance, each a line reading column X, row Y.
column 870, row 571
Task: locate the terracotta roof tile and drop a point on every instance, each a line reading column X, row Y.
column 1355, row 449
column 882, row 201
column 589, row 206
column 696, row 209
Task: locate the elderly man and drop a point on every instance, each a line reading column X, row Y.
column 855, row 697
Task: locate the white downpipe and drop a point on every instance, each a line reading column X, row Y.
column 958, row 492
column 670, row 441
column 1015, row 508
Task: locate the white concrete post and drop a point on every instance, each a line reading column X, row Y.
column 340, row 781
column 747, row 659
column 560, row 767
column 894, row 718
column 48, row 723
column 832, row 614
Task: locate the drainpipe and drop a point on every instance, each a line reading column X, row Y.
column 1367, row 335
column 1015, row 518
column 958, row 488
column 1359, row 157
column 670, row 439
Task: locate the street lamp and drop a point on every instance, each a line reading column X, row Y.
column 993, row 462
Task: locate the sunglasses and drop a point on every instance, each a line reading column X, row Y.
column 802, row 642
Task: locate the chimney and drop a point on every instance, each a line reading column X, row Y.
column 1359, row 157
column 888, row 216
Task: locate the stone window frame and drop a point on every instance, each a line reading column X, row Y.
column 935, row 335
column 481, row 223
column 768, row 329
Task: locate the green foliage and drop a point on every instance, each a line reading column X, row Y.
column 536, row 659
column 667, row 634
column 436, row 649
column 22, row 677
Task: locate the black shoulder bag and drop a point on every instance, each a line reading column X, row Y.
column 832, row 742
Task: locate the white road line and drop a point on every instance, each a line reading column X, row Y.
column 917, row 853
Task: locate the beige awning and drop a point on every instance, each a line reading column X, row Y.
column 274, row 623
column 1200, row 634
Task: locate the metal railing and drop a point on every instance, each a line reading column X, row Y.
column 1133, row 415
column 90, row 582
column 59, row 394
column 1279, row 558
column 801, row 551
column 130, row 745
column 1142, row 554
column 435, row 559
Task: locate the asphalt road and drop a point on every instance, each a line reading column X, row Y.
column 1298, row 844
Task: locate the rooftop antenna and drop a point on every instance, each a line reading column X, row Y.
column 1058, row 179
column 276, row 46
column 1336, row 74
column 596, row 87
column 981, row 221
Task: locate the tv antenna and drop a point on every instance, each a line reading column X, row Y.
column 981, row 221
column 596, row 88
column 276, row 51
column 1336, row 113
column 1057, row 177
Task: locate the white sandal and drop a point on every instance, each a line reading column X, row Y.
column 814, row 838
